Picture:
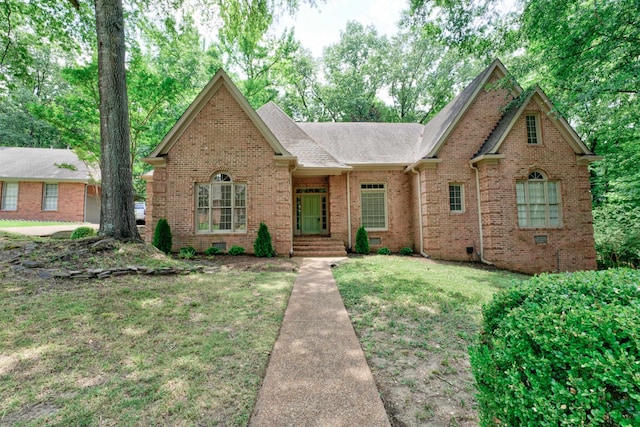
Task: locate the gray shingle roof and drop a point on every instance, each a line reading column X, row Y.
column 368, row 143
column 42, row 164
column 498, row 132
column 295, row 140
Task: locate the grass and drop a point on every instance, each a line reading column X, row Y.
column 137, row 350
column 415, row 320
column 6, row 223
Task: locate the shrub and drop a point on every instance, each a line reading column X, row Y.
column 616, row 230
column 362, row 241
column 187, row 252
column 262, row 247
column 406, row 251
column 212, row 251
column 384, row 251
column 561, row 350
column 236, row 250
column 162, row 236
column 81, row 232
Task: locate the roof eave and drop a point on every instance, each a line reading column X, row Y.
column 425, row 163
column 486, row 159
column 584, row 160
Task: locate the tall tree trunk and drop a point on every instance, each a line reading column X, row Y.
column 117, row 219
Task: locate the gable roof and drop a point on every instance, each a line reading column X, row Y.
column 219, row 79
column 502, row 129
column 45, row 164
column 296, row 141
column 364, row 143
column 442, row 124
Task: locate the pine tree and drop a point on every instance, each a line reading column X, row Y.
column 162, row 236
column 262, row 247
column 362, row 241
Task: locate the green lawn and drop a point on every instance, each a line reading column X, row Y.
column 138, row 350
column 6, row 223
column 415, row 319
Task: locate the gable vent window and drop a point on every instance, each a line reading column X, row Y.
column 373, row 201
column 533, row 129
column 221, row 206
column 10, row 196
column 538, row 201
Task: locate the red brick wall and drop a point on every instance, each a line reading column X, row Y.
column 447, row 234
column 222, row 138
column 570, row 247
column 71, row 199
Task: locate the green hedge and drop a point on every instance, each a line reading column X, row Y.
column 561, row 350
column 82, row 232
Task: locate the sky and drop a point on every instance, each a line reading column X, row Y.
column 320, row 26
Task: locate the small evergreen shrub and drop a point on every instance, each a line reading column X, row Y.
column 236, row 250
column 362, row 241
column 81, row 232
column 384, row 251
column 162, row 236
column 406, row 251
column 188, row 252
column 561, row 350
column 212, row 251
column 262, row 247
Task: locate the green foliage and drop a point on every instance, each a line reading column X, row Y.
column 262, row 247
column 617, row 235
column 236, row 250
column 162, row 238
column 406, row 251
column 561, row 350
column 362, row 241
column 210, row 251
column 188, row 252
column 384, row 251
column 81, row 232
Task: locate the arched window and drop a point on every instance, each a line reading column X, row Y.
column 221, row 205
column 538, row 201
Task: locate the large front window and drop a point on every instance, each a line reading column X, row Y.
column 10, row 196
column 373, row 200
column 538, row 201
column 221, row 206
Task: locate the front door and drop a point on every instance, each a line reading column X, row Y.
column 311, row 214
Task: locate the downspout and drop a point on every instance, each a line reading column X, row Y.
column 293, row 195
column 481, row 249
column 349, row 208
column 413, row 170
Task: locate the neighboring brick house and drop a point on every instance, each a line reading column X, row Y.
column 47, row 184
column 487, row 179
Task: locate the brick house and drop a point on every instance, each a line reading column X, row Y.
column 487, row 179
column 46, row 184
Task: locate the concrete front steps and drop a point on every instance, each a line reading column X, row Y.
column 318, row 246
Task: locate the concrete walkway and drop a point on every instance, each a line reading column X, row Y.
column 48, row 230
column 317, row 374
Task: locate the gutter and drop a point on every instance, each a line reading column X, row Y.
column 481, row 249
column 422, row 252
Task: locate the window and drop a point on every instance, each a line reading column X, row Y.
column 10, row 196
column 533, row 129
column 538, row 201
column 50, row 197
column 373, row 200
column 456, row 198
column 221, row 206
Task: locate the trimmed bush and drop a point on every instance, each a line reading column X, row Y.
column 362, row 241
column 188, row 252
column 561, row 350
column 81, row 232
column 406, row 251
column 236, row 250
column 384, row 251
column 262, row 247
column 212, row 251
column 162, row 238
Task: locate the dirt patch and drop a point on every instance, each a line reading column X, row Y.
column 40, row 411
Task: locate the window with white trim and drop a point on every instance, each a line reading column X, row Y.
column 373, row 205
column 533, row 129
column 50, row 197
column 538, row 201
column 221, row 206
column 9, row 196
column 456, row 198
